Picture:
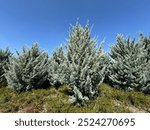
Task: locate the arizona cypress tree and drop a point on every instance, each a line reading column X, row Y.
column 84, row 64
column 145, row 43
column 4, row 59
column 146, row 84
column 27, row 70
column 56, row 68
column 127, row 65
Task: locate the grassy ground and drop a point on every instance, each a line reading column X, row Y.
column 52, row 100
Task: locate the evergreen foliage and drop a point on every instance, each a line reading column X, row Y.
column 81, row 65
column 4, row 59
column 146, row 87
column 56, row 68
column 84, row 66
column 127, row 67
column 27, row 70
column 107, row 62
column 145, row 43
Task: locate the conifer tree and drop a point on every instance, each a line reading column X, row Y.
column 56, row 68
column 145, row 43
column 4, row 59
column 27, row 70
column 84, row 64
column 146, row 84
column 127, row 64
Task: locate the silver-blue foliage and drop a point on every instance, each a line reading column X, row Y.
column 56, row 70
column 4, row 59
column 84, row 65
column 145, row 43
column 27, row 70
column 127, row 67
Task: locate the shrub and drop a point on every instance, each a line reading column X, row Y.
column 145, row 43
column 146, row 88
column 27, row 70
column 56, row 68
column 84, row 66
column 127, row 67
column 4, row 59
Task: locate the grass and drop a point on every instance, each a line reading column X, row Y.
column 56, row 100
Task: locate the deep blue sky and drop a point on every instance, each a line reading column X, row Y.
column 23, row 22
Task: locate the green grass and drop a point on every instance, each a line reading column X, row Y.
column 56, row 100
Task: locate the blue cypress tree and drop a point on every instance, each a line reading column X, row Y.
column 145, row 43
column 27, row 70
column 56, row 70
column 127, row 67
column 84, row 65
column 4, row 60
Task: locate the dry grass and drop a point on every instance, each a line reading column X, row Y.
column 56, row 100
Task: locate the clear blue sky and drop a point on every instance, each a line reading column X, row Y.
column 23, row 22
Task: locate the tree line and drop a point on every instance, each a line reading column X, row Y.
column 81, row 64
